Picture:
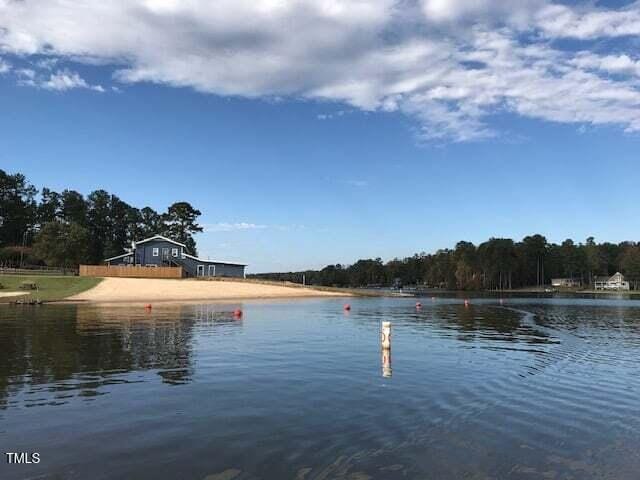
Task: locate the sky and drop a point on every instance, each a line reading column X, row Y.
column 313, row 132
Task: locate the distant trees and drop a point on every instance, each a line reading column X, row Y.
column 62, row 244
column 498, row 263
column 532, row 254
column 17, row 208
column 630, row 264
column 50, row 207
column 151, row 222
column 181, row 223
column 100, row 225
column 466, row 265
column 73, row 207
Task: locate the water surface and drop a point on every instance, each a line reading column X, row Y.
column 523, row 389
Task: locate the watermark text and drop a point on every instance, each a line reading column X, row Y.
column 22, row 458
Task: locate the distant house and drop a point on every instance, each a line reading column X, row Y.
column 159, row 251
column 615, row 282
column 566, row 282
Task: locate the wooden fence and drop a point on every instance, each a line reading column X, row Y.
column 38, row 271
column 132, row 272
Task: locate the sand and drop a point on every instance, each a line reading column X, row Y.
column 12, row 294
column 133, row 290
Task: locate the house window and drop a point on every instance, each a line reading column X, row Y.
column 156, row 252
column 165, row 252
column 174, row 252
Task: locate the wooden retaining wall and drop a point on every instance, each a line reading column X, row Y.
column 131, row 272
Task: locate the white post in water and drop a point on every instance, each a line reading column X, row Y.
column 385, row 335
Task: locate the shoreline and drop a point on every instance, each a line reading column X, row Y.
column 195, row 301
column 114, row 290
column 141, row 291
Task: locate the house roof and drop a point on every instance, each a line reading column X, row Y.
column 163, row 238
column 118, row 256
column 214, row 261
column 609, row 278
column 160, row 237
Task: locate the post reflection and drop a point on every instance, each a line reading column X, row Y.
column 386, row 363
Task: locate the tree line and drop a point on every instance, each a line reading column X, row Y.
column 497, row 264
column 64, row 229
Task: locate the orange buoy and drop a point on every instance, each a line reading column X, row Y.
column 347, row 307
column 148, row 306
column 237, row 313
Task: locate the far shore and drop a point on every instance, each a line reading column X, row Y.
column 571, row 292
column 146, row 290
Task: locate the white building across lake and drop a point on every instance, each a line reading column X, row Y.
column 615, row 282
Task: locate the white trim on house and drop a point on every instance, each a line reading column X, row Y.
column 174, row 252
column 155, row 252
column 214, row 261
column 160, row 237
column 117, row 257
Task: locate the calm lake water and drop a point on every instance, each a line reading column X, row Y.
column 533, row 388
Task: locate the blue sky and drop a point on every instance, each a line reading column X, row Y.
column 293, row 168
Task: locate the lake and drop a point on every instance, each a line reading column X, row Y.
column 523, row 389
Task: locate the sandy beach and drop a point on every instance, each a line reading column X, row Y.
column 13, row 294
column 160, row 290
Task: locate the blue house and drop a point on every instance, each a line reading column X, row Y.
column 159, row 251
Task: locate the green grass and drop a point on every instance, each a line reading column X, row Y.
column 49, row 287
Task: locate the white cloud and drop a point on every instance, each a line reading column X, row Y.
column 66, row 80
column 616, row 64
column 563, row 21
column 448, row 64
column 4, row 66
column 61, row 80
column 519, row 11
column 47, row 63
column 232, row 227
column 329, row 116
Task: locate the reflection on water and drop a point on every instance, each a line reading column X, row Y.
column 525, row 388
column 48, row 355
